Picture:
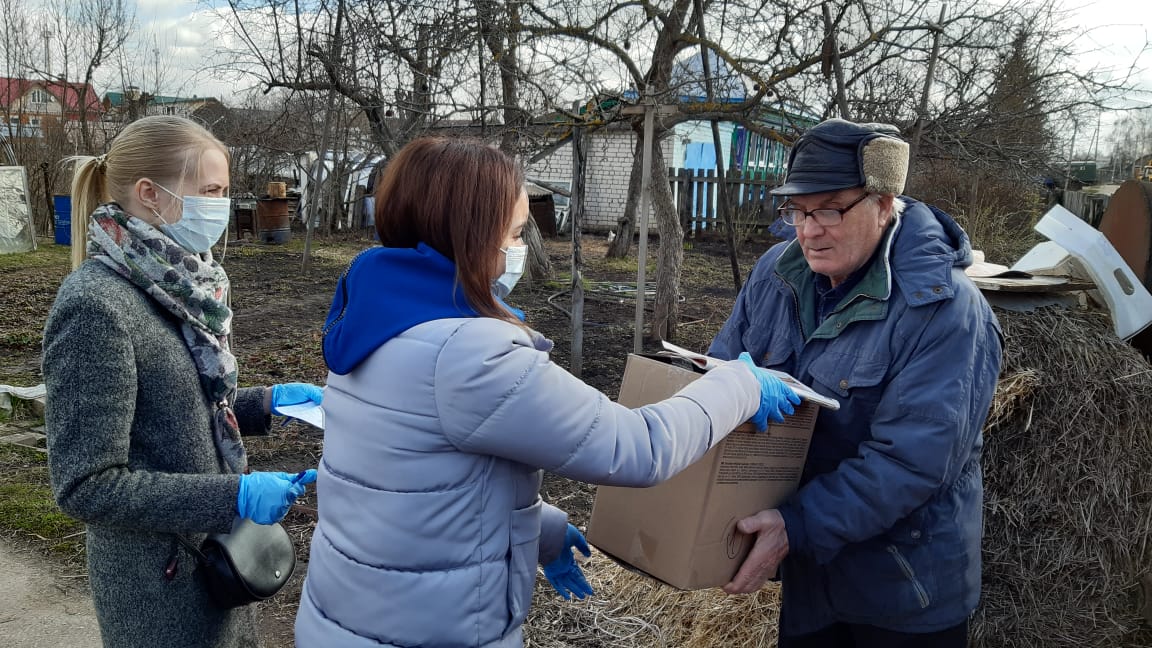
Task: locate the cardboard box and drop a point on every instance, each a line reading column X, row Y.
column 683, row 532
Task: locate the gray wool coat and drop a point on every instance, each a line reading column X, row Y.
column 130, row 453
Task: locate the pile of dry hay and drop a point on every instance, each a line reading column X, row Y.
column 1068, row 528
column 1068, row 486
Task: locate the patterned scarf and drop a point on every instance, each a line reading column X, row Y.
column 191, row 287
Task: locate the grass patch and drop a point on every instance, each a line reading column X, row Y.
column 27, row 506
column 46, row 254
column 26, row 338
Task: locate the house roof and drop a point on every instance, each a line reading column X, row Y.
column 116, row 99
column 69, row 94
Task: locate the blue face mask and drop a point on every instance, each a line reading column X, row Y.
column 201, row 223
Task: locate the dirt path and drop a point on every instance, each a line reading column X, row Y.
column 41, row 610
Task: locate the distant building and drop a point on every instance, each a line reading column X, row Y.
column 26, row 104
column 145, row 104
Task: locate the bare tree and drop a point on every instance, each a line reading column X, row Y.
column 763, row 45
column 89, row 33
column 408, row 65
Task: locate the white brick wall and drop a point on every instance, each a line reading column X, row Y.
column 610, row 154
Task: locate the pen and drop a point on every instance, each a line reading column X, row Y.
column 299, row 476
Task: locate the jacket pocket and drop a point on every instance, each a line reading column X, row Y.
column 523, row 550
column 851, row 376
column 879, row 580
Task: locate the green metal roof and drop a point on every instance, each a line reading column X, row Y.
column 116, row 99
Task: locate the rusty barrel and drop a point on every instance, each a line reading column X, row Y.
column 1127, row 224
column 272, row 222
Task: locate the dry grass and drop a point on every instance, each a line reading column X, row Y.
column 636, row 611
column 1068, row 515
column 1068, row 479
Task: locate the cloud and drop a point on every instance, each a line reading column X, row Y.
column 175, row 50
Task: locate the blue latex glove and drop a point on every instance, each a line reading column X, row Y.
column 563, row 573
column 777, row 400
column 295, row 394
column 264, row 497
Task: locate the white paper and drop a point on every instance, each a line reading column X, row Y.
column 698, row 359
column 803, row 391
column 310, row 413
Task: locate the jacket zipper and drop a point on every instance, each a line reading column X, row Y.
column 795, row 304
column 910, row 575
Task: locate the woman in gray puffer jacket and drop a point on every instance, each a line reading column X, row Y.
column 143, row 412
column 443, row 407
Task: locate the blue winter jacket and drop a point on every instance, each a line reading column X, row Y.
column 885, row 527
column 437, row 425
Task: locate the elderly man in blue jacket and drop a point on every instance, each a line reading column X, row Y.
column 880, row 545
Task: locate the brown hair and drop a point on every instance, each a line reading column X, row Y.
column 164, row 148
column 457, row 197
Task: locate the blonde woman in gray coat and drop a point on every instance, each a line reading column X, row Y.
column 143, row 413
column 443, row 407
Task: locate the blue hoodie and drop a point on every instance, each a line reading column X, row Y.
column 384, row 292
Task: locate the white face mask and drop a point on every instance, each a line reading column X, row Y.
column 514, row 257
column 202, row 222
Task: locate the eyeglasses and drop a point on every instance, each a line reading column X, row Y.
column 825, row 216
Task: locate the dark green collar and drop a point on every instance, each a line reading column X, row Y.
column 867, row 301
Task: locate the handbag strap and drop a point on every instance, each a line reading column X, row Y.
column 191, row 548
column 173, row 563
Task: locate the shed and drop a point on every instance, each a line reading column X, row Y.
column 542, row 207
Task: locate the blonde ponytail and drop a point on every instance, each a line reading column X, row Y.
column 89, row 189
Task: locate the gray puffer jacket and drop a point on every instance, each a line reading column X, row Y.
column 130, row 453
column 430, row 520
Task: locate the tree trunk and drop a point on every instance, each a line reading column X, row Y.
column 666, row 313
column 539, row 265
column 622, row 244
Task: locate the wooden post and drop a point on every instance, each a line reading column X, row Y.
column 315, row 185
column 576, row 215
column 306, row 260
column 684, row 199
column 700, row 212
column 643, row 215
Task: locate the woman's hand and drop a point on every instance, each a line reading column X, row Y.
column 295, row 393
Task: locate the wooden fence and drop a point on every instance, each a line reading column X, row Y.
column 695, row 193
column 1088, row 206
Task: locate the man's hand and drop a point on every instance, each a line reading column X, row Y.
column 770, row 548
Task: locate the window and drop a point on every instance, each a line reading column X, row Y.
column 34, row 122
column 14, row 120
column 39, row 96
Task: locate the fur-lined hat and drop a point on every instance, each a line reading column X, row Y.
column 837, row 154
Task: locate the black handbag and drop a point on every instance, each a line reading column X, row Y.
column 250, row 563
